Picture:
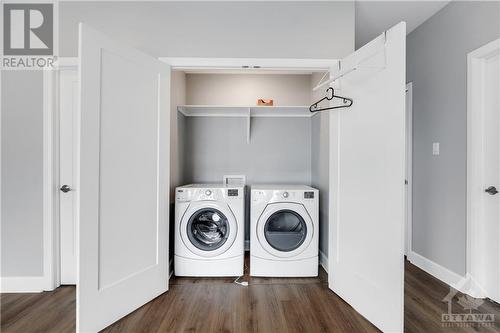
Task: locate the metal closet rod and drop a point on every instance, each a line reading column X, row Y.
column 338, row 76
column 352, row 69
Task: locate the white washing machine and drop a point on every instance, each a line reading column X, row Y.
column 209, row 230
column 284, row 231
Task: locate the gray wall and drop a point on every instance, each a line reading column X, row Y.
column 279, row 150
column 218, row 29
column 437, row 64
column 21, row 173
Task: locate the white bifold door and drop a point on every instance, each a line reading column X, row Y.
column 123, row 190
column 367, row 173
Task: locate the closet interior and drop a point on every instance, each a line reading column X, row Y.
column 219, row 129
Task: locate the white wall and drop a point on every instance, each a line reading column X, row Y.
column 21, row 174
column 305, row 29
column 320, row 163
column 245, row 89
column 437, row 64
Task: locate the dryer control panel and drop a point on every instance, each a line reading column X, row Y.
column 232, row 192
column 282, row 195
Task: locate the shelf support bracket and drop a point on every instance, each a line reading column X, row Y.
column 249, row 124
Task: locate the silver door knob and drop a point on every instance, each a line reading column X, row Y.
column 65, row 188
column 492, row 190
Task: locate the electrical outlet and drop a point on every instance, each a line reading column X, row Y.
column 435, row 148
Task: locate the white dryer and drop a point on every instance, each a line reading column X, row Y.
column 209, row 230
column 284, row 231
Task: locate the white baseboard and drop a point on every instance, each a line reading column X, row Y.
column 23, row 284
column 442, row 273
column 247, row 245
column 323, row 260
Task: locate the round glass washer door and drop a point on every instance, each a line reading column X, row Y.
column 208, row 228
column 285, row 229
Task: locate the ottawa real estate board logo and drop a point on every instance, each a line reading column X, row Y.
column 28, row 35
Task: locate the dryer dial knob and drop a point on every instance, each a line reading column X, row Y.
column 285, row 194
column 208, row 192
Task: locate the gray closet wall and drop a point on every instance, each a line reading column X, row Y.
column 279, row 150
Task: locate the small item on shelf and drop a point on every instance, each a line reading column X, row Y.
column 265, row 102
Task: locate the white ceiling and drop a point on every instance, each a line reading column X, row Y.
column 374, row 17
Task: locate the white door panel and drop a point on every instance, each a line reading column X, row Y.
column 483, row 171
column 124, row 167
column 68, row 135
column 408, row 170
column 367, row 183
column 492, row 176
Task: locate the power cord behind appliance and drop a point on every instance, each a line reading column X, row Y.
column 242, row 283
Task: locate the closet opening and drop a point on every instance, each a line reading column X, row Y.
column 252, row 121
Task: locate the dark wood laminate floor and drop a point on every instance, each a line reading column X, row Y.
column 266, row 305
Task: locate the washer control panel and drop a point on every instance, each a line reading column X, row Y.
column 308, row 195
column 181, row 195
column 186, row 194
column 208, row 194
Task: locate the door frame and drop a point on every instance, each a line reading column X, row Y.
column 475, row 137
column 186, row 63
column 409, row 169
column 51, row 222
column 50, row 175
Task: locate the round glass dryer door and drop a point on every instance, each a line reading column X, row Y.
column 285, row 230
column 208, row 229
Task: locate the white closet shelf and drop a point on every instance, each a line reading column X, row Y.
column 244, row 111
column 247, row 112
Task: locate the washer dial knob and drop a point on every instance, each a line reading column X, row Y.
column 208, row 192
column 285, row 195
